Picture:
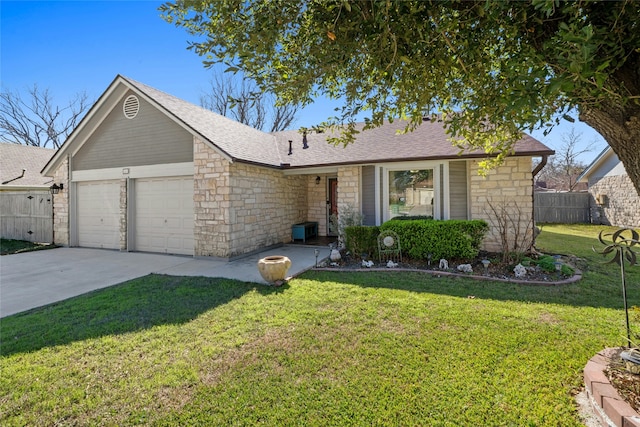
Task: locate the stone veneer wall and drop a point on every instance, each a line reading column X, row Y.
column 264, row 205
column 61, row 206
column 623, row 205
column 240, row 208
column 210, row 202
column 509, row 187
column 349, row 187
column 317, row 202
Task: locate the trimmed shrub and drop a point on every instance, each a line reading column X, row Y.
column 362, row 239
column 450, row 239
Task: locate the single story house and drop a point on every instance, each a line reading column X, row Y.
column 146, row 171
column 25, row 199
column 614, row 199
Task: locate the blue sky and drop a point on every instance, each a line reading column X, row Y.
column 76, row 46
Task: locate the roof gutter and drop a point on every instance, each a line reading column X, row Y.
column 543, row 154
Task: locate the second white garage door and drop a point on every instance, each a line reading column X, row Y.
column 164, row 215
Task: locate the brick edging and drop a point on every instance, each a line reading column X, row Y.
column 609, row 406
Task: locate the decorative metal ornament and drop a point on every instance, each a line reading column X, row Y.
column 389, row 247
column 388, row 241
column 621, row 246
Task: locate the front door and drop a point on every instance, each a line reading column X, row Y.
column 332, row 204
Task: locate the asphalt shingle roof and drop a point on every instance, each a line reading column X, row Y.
column 246, row 144
column 383, row 144
column 387, row 143
column 15, row 157
column 238, row 141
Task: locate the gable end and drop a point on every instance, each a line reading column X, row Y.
column 134, row 134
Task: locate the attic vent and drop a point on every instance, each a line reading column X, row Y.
column 131, row 106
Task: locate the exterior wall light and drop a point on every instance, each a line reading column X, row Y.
column 55, row 188
column 318, row 180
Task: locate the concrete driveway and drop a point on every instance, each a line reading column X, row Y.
column 34, row 279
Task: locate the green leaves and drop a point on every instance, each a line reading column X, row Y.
column 515, row 64
column 451, row 239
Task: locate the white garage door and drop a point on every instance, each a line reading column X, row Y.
column 164, row 215
column 98, row 210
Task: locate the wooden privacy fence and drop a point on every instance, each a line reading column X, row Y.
column 563, row 208
column 26, row 215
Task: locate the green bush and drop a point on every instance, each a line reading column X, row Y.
column 547, row 263
column 360, row 239
column 450, row 239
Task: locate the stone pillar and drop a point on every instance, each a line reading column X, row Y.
column 349, row 187
column 211, row 202
column 61, row 205
column 317, row 202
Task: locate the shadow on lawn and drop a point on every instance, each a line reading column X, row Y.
column 600, row 286
column 606, row 293
column 131, row 306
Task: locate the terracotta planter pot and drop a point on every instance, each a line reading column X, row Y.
column 273, row 269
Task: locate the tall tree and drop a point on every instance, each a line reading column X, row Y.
column 564, row 167
column 240, row 99
column 37, row 120
column 514, row 64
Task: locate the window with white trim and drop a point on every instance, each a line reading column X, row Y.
column 411, row 193
column 413, row 188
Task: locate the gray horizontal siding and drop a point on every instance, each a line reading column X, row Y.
column 369, row 195
column 148, row 139
column 458, row 190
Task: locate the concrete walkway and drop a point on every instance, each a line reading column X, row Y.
column 34, row 279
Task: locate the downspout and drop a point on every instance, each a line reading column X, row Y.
column 535, row 172
column 538, row 168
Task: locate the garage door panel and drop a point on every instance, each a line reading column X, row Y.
column 98, row 208
column 174, row 206
column 164, row 215
column 150, row 224
column 174, row 224
column 175, row 244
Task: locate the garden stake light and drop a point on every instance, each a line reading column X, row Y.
column 621, row 247
column 485, row 263
column 558, row 266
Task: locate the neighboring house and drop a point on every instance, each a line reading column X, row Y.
column 25, row 200
column 146, row 171
column 614, row 200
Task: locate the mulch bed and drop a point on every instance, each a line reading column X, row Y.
column 497, row 270
column 626, row 383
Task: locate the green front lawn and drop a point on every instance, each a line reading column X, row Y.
column 329, row 348
column 10, row 246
